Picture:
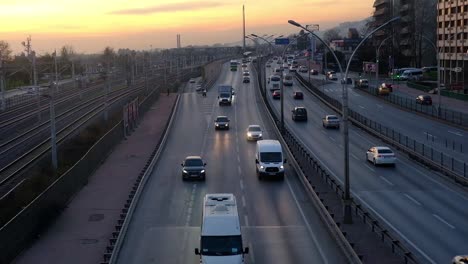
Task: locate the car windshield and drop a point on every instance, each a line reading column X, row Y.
column 332, row 118
column 270, row 157
column 300, row 111
column 384, row 151
column 221, row 245
column 221, row 119
column 193, row 163
column 254, row 129
column 225, row 95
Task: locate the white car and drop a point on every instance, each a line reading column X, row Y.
column 288, row 80
column 254, row 132
column 274, row 82
column 381, row 155
column 460, row 259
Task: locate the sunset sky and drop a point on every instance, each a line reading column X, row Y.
column 90, row 25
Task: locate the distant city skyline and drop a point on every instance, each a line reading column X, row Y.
column 92, row 25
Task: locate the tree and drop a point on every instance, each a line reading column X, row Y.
column 108, row 56
column 5, row 50
column 331, row 34
column 67, row 52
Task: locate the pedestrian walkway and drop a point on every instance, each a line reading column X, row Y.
column 80, row 234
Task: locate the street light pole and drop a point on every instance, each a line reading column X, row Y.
column 2, row 83
column 347, row 196
column 377, row 53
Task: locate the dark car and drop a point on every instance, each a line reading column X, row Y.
column 314, row 72
column 298, row 95
column 193, row 167
column 299, row 113
column 348, row 81
column 221, row 122
column 424, row 100
column 276, row 94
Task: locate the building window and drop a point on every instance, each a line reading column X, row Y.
column 452, row 23
column 465, row 35
column 447, row 24
column 459, row 23
column 453, row 10
column 440, row 24
column 465, row 21
column 440, row 12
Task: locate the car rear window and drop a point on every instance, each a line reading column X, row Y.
column 288, row 77
column 275, row 79
column 300, row 110
column 384, row 151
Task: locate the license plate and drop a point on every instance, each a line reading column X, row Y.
column 271, row 173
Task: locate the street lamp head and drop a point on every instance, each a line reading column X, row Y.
column 254, row 35
column 294, row 23
column 280, row 36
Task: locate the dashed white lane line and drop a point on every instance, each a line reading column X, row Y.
column 241, row 183
column 190, row 205
column 311, row 233
column 244, row 204
column 332, row 139
column 239, row 170
column 443, row 221
column 246, row 220
column 340, row 146
column 354, row 156
column 362, row 107
column 456, row 133
column 238, row 158
column 387, row 181
column 369, row 167
column 323, row 132
column 252, row 257
column 412, row 199
column 379, row 106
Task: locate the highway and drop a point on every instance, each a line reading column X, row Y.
column 423, row 208
column 418, row 127
column 278, row 222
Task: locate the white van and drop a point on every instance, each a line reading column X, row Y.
column 221, row 237
column 274, row 82
column 413, row 74
column 269, row 159
column 288, row 80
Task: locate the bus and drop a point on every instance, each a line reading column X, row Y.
column 233, row 65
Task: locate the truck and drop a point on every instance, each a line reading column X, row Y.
column 225, row 93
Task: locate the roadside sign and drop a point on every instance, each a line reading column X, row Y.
column 457, row 69
column 281, row 41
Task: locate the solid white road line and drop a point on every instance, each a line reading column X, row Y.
column 456, row 133
column 443, row 221
column 311, row 233
column 246, row 220
column 412, row 199
column 369, row 167
column 387, row 181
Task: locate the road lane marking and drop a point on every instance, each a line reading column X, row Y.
column 362, row 107
column 241, row 183
column 340, row 146
column 369, row 167
column 239, row 169
column 456, row 133
column 379, row 106
column 443, row 221
column 354, row 156
column 246, row 220
column 332, row 139
column 252, row 258
column 244, row 204
column 238, row 158
column 387, row 181
column 323, row 132
column 190, row 205
column 412, row 199
column 312, row 234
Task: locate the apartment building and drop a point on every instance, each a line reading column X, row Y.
column 452, row 42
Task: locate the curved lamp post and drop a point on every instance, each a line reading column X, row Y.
column 347, row 196
column 377, row 53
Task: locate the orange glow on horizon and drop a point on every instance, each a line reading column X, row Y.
column 216, row 21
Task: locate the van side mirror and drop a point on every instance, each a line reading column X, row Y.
column 197, row 252
column 246, row 250
column 256, row 161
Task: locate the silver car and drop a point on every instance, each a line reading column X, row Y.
column 254, row 132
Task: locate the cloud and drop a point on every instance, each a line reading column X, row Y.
column 167, row 8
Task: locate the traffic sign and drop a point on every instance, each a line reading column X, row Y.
column 281, row 41
column 457, row 69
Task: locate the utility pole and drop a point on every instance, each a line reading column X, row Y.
column 53, row 136
column 243, row 28
column 2, row 83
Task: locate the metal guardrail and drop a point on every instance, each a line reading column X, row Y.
column 312, row 168
column 448, row 115
column 422, row 152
